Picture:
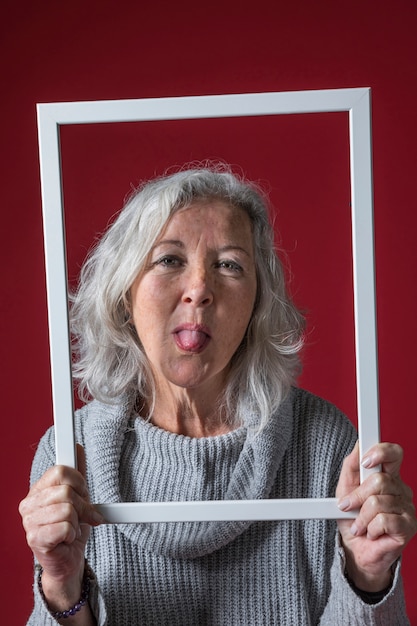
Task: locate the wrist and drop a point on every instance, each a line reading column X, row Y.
column 65, row 598
column 367, row 581
column 373, row 577
column 369, row 597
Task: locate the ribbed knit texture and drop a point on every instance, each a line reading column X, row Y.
column 219, row 573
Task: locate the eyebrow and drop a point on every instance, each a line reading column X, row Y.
column 179, row 244
column 171, row 242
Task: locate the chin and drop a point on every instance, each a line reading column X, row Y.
column 194, row 380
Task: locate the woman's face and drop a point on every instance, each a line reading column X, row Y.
column 193, row 301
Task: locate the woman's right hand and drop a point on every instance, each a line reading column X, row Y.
column 57, row 515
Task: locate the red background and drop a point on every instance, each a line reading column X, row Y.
column 102, row 50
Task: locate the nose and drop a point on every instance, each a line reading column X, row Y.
column 198, row 288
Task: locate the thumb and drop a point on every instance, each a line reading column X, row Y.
column 81, row 461
column 90, row 514
column 350, row 475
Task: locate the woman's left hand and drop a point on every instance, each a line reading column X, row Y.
column 386, row 519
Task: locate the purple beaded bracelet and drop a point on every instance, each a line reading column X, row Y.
column 85, row 592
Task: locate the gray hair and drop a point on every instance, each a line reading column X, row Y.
column 109, row 358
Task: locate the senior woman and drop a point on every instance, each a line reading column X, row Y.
column 187, row 343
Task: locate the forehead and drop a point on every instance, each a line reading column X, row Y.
column 215, row 216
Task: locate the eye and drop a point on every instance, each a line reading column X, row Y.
column 230, row 266
column 168, row 261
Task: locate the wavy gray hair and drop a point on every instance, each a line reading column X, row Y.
column 109, row 358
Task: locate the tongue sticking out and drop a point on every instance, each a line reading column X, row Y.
column 191, row 340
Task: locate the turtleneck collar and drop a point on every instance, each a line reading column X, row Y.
column 132, row 460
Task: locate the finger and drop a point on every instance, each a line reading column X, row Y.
column 49, row 537
column 38, row 499
column 388, row 455
column 58, row 524
column 377, row 484
column 35, row 508
column 39, row 507
column 61, row 475
column 397, row 529
column 376, row 507
column 349, row 477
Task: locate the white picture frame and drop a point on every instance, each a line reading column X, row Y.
column 356, row 102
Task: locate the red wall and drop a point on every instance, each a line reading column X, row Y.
column 99, row 50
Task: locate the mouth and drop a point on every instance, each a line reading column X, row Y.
column 192, row 338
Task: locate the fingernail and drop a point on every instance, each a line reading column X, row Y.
column 344, row 504
column 79, row 532
column 367, row 461
column 354, row 529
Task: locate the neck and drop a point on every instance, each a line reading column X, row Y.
column 189, row 414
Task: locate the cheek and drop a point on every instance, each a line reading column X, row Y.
column 238, row 317
column 150, row 300
column 151, row 318
column 147, row 321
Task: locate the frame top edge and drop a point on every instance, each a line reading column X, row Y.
column 63, row 108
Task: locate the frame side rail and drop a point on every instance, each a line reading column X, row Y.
column 57, row 293
column 364, row 277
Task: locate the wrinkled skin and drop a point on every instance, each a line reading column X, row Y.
column 386, row 520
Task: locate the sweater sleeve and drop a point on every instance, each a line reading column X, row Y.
column 45, row 458
column 346, row 608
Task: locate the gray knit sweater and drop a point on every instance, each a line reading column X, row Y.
column 218, row 573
